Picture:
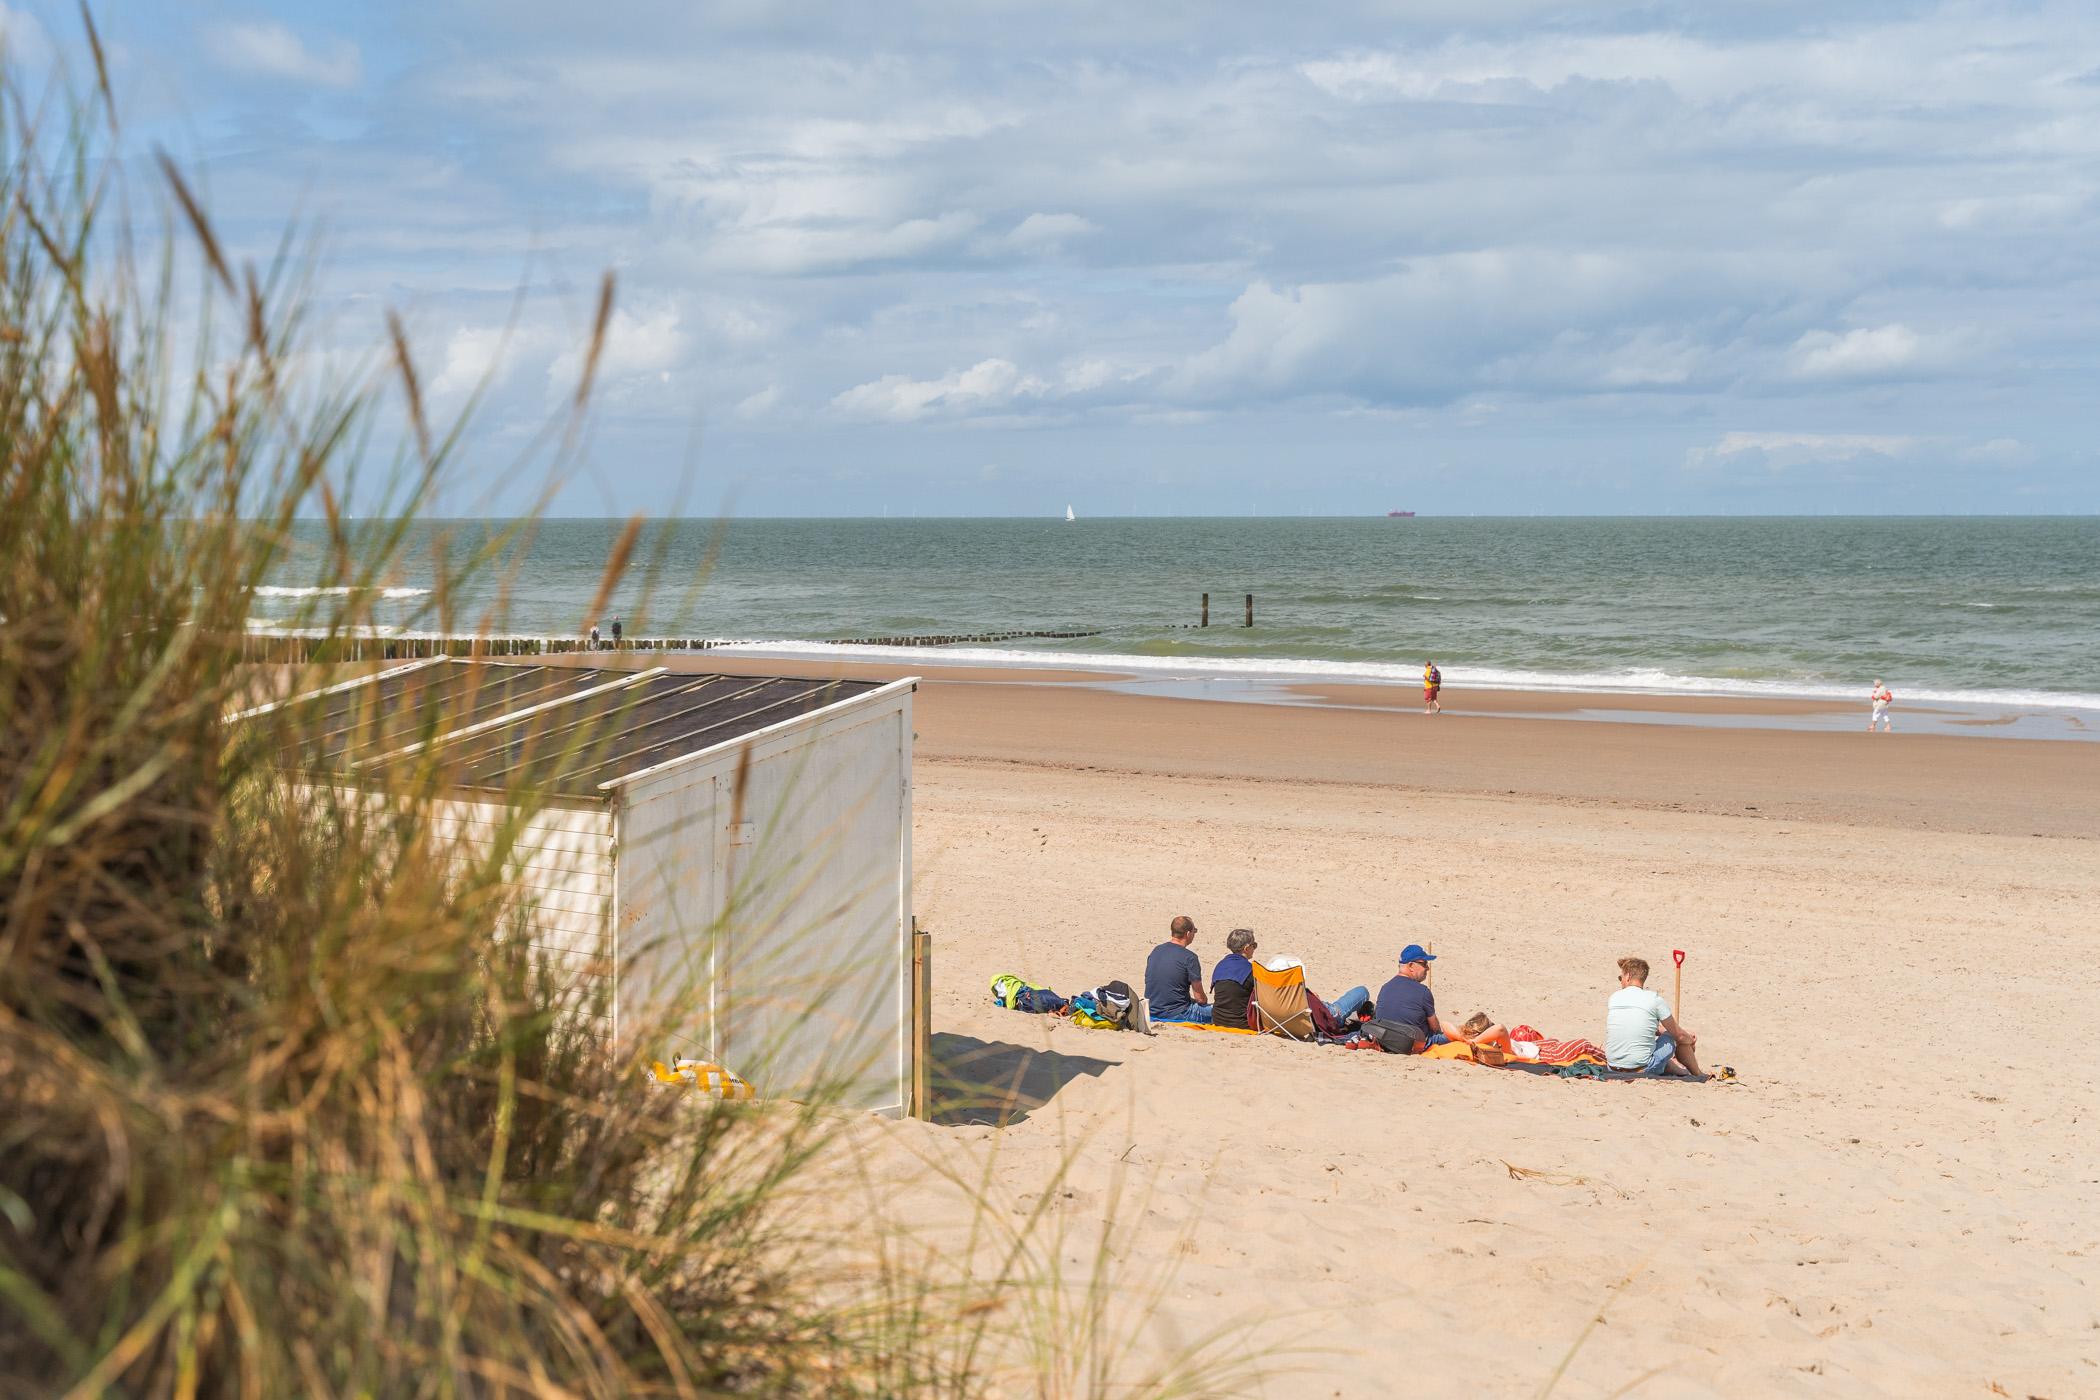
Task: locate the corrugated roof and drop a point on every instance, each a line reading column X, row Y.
column 558, row 729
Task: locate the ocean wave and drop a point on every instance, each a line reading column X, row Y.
column 1629, row 681
column 271, row 590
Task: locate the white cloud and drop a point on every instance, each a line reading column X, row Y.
column 271, row 49
column 896, row 398
column 1778, row 452
column 1049, row 232
column 24, row 39
column 1878, row 352
column 651, row 344
column 758, row 405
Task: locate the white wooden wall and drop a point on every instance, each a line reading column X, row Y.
column 781, row 941
column 562, row 863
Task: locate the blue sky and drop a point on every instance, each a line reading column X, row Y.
column 1499, row 256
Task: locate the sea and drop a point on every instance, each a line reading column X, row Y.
column 1974, row 610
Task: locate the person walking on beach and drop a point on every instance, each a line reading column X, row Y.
column 1641, row 1032
column 1432, row 682
column 1882, row 697
column 594, row 636
column 616, row 634
column 1174, row 977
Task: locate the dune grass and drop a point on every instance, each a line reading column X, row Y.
column 283, row 1109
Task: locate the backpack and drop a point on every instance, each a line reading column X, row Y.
column 1396, row 1037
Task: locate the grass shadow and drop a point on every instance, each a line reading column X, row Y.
column 995, row 1083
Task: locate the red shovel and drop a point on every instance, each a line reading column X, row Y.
column 1677, row 998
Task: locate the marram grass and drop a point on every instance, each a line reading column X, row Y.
column 282, row 1109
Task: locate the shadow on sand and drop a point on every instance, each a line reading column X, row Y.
column 995, row 1083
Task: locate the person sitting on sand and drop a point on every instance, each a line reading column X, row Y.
column 1640, row 1031
column 1491, row 1043
column 1232, row 981
column 1407, row 1000
column 1174, row 977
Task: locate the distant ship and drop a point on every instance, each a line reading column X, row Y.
column 1399, row 515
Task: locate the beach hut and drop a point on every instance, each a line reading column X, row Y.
column 745, row 836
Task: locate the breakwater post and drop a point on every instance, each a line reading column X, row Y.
column 1206, row 611
column 283, row 649
column 1250, row 609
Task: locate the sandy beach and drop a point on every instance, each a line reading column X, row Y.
column 1887, row 939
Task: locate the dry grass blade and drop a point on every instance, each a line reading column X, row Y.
column 406, row 364
column 109, row 99
column 601, row 326
column 200, row 225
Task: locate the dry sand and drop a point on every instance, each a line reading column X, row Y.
column 1898, row 1197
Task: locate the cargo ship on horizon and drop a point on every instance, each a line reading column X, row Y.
column 1399, row 515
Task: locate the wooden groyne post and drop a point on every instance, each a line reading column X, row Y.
column 1206, row 611
column 1250, row 609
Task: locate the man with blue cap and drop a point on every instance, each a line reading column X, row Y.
column 1407, row 1000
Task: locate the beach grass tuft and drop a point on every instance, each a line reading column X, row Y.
column 288, row 1103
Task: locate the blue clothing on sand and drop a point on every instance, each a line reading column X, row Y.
column 1192, row 1015
column 1659, row 1062
column 1348, row 1003
column 1407, row 1001
column 1169, row 973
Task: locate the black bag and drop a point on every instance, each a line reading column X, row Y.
column 1396, row 1037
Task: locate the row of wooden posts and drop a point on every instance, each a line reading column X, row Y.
column 266, row 648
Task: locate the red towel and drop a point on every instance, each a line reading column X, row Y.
column 1567, row 1052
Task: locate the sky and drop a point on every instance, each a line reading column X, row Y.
column 924, row 257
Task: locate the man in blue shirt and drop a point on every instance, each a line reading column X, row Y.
column 1174, row 977
column 1407, row 998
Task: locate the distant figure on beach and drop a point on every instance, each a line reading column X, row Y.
column 1432, row 682
column 594, row 636
column 1407, row 1000
column 616, row 633
column 1641, row 1032
column 1882, row 697
column 1232, row 981
column 1174, row 977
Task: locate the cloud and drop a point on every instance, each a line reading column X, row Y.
column 1881, row 352
column 760, row 404
column 1780, row 452
column 650, row 344
column 270, row 49
column 1509, row 225
column 896, row 398
column 1047, row 233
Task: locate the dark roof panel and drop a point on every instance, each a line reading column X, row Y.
column 592, row 732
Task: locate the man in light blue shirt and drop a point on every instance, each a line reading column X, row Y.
column 1641, row 1032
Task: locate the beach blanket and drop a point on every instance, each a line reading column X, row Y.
column 1568, row 1052
column 1551, row 1054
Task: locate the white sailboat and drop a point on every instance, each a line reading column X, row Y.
column 1069, row 517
